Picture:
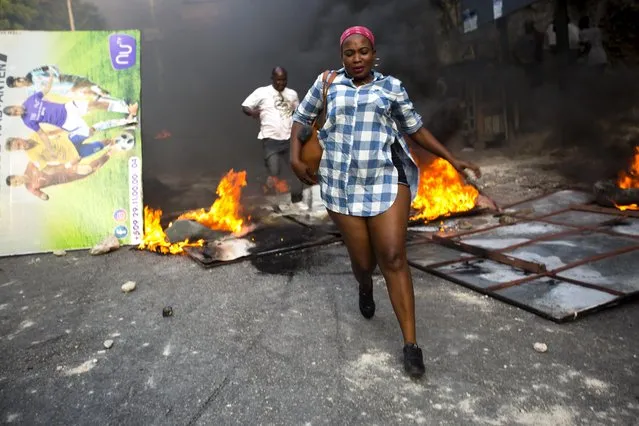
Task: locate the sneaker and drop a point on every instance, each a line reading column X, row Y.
column 366, row 304
column 300, row 206
column 413, row 360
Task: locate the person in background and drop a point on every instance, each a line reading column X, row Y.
column 529, row 52
column 273, row 107
column 593, row 52
column 367, row 176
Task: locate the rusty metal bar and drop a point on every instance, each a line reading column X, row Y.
column 567, row 209
column 497, row 296
column 596, row 228
column 606, row 210
column 593, row 286
column 473, row 231
column 538, row 197
column 448, row 262
column 594, row 258
column 457, row 215
column 532, row 267
column 554, row 272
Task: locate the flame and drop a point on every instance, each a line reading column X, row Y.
column 441, row 191
column 225, row 213
column 156, row 240
column 279, row 185
column 630, row 179
column 628, row 207
column 163, row 134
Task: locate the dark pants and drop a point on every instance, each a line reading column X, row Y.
column 277, row 162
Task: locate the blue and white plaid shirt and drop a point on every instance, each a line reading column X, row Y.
column 356, row 174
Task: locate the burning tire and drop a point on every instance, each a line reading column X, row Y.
column 608, row 194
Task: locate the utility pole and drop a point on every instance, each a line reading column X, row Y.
column 71, row 18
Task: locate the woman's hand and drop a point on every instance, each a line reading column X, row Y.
column 303, row 173
column 460, row 166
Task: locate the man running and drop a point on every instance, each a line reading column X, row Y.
column 69, row 116
column 273, row 106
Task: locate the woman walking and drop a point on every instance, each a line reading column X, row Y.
column 367, row 176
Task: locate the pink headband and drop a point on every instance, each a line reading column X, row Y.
column 357, row 30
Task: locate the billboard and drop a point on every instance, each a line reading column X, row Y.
column 70, row 146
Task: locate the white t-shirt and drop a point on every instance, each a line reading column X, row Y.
column 276, row 111
column 597, row 54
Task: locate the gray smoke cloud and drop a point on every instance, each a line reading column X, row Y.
column 407, row 38
column 405, row 32
column 200, row 70
column 196, row 74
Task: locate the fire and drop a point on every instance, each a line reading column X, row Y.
column 225, row 213
column 628, row 207
column 630, row 179
column 279, row 185
column 156, row 240
column 442, row 191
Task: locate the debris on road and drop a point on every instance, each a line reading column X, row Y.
column 109, row 244
column 540, row 347
column 108, row 344
column 85, row 367
column 185, row 229
column 167, row 311
column 507, row 220
column 128, row 286
column 59, row 253
column 465, row 225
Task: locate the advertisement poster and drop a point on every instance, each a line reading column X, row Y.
column 70, row 147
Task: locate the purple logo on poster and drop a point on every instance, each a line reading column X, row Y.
column 120, row 215
column 123, row 51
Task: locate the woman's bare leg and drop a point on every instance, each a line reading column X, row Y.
column 388, row 236
column 354, row 232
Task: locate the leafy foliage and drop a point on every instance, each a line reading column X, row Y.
column 48, row 15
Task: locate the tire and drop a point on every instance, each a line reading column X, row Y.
column 608, row 194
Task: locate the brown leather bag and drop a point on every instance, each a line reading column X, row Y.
column 311, row 149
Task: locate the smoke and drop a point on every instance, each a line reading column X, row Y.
column 405, row 32
column 206, row 57
column 598, row 120
column 407, row 38
column 206, row 61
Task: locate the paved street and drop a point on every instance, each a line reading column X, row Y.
column 280, row 341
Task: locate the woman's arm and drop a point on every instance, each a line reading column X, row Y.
column 411, row 124
column 304, row 115
column 427, row 141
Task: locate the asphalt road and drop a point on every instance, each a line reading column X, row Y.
column 281, row 341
